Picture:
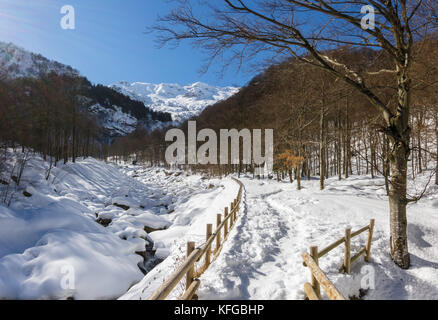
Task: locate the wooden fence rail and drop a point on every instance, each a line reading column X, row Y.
column 319, row 279
column 187, row 267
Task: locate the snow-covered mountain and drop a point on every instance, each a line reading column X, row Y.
column 117, row 123
column 146, row 105
column 117, row 114
column 182, row 102
column 114, row 119
column 16, row 62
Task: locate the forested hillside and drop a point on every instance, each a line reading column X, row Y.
column 321, row 125
column 61, row 116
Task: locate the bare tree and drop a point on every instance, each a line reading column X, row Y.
column 241, row 29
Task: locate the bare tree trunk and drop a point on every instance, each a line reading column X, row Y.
column 301, row 152
column 339, row 144
column 436, row 141
column 386, row 163
column 399, row 133
column 298, row 176
column 326, row 156
column 73, row 143
column 346, row 142
column 373, row 155
column 87, row 145
column 65, row 146
column 321, row 149
column 397, row 204
column 419, row 127
column 364, row 137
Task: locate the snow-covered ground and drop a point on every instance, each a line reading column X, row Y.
column 53, row 243
column 90, row 230
column 262, row 257
column 190, row 225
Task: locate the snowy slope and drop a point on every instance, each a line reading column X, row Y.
column 114, row 120
column 262, row 257
column 188, row 224
column 55, row 231
column 58, row 229
column 16, row 62
column 182, row 102
column 118, row 116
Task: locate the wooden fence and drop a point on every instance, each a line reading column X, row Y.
column 319, row 279
column 187, row 267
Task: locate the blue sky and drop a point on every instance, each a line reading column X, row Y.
column 108, row 44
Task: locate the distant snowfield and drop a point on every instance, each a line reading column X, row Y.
column 182, row 102
column 114, row 119
column 262, row 257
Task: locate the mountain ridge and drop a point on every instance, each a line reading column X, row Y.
column 17, row 62
column 117, row 114
column 146, row 105
column 181, row 101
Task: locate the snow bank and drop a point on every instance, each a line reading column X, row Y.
column 53, row 243
column 193, row 211
column 57, row 253
column 53, row 231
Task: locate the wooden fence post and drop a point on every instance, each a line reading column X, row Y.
column 191, row 271
column 208, row 252
column 218, row 231
column 322, row 279
column 347, row 255
column 232, row 214
column 226, row 221
column 370, row 238
column 315, row 283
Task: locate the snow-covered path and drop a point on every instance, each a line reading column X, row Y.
column 254, row 252
column 255, row 258
column 262, row 257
